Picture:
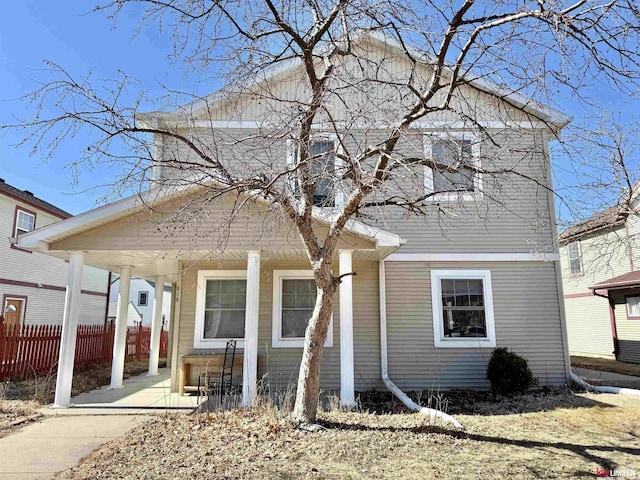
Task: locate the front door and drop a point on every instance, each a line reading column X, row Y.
column 13, row 311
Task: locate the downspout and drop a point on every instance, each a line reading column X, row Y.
column 393, row 388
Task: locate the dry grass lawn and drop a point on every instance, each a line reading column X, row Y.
column 576, row 435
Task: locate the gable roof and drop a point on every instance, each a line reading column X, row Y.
column 552, row 116
column 29, row 198
column 611, row 217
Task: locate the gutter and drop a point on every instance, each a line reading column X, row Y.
column 603, row 389
column 393, row 388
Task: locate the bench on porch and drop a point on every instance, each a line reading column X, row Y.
column 201, row 363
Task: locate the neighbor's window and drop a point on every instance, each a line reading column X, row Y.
column 25, row 222
column 450, row 180
column 294, row 298
column 322, row 153
column 633, row 306
column 462, row 308
column 143, row 298
column 221, row 299
column 575, row 257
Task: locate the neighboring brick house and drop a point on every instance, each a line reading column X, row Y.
column 602, row 285
column 32, row 285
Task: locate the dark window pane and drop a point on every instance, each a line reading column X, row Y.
column 322, row 153
column 294, row 322
column 454, row 153
column 298, row 301
column 223, row 324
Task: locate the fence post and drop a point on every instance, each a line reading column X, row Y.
column 139, row 342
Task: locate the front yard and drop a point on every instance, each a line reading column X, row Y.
column 576, row 436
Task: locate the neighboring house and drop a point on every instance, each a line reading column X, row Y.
column 140, row 302
column 438, row 298
column 601, row 285
column 32, row 285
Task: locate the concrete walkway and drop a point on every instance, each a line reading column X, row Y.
column 60, row 438
column 607, row 378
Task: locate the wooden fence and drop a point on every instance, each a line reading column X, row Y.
column 29, row 350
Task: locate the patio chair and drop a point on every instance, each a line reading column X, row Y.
column 220, row 382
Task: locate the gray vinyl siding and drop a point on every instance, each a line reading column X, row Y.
column 526, row 323
column 278, row 367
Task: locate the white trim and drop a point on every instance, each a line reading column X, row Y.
column 276, row 324
column 418, row 124
column 439, row 340
column 428, row 138
column 66, row 356
column 198, row 335
column 575, row 242
column 17, row 220
column 473, row 257
column 146, row 302
column 347, row 389
column 251, row 330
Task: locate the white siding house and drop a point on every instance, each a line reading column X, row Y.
column 140, row 302
column 32, row 285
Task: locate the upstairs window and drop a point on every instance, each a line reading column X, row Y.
column 450, row 180
column 143, row 298
column 575, row 258
column 633, row 307
column 322, row 154
column 323, row 161
column 24, row 222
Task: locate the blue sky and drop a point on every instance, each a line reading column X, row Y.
column 66, row 32
column 63, row 31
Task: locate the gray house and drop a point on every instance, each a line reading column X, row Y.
column 432, row 296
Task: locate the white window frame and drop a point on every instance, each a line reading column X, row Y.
column 440, row 340
column 292, row 152
column 276, row 339
column 428, row 138
column 579, row 251
column 24, row 212
column 630, row 314
column 146, row 299
column 203, row 275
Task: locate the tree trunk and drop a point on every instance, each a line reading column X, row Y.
column 306, row 406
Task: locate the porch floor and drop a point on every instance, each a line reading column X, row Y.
column 141, row 395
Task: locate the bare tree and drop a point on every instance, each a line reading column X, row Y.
column 454, row 54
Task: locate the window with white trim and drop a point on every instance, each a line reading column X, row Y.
column 221, row 299
column 294, row 297
column 143, row 298
column 453, row 151
column 575, row 257
column 462, row 304
column 25, row 222
column 322, row 154
column 633, row 306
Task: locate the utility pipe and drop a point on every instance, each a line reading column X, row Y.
column 603, row 389
column 393, row 388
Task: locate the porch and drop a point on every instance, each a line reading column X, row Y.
column 142, row 394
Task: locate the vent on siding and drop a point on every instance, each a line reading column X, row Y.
column 28, row 193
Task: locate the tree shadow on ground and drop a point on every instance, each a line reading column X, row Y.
column 592, row 453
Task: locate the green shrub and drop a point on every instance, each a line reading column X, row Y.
column 508, row 373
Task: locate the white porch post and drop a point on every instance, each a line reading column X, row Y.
column 69, row 331
column 156, row 326
column 250, row 366
column 347, row 394
column 120, row 337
